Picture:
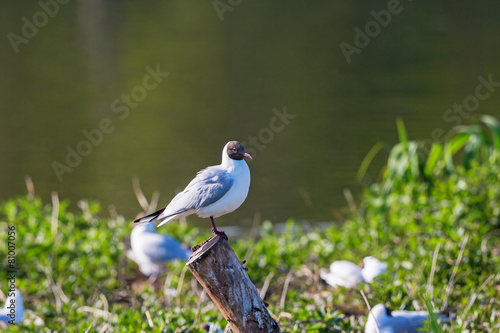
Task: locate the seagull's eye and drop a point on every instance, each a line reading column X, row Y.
column 234, row 150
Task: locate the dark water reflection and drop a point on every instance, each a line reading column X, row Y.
column 225, row 79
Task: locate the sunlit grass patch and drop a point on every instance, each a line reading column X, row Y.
column 433, row 217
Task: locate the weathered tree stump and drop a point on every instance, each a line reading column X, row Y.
column 215, row 265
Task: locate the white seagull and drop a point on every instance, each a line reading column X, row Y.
column 13, row 310
column 215, row 191
column 151, row 250
column 389, row 321
column 210, row 327
column 348, row 274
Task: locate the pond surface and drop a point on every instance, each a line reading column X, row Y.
column 97, row 92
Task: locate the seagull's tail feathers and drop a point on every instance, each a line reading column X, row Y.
column 161, row 216
column 149, row 218
column 168, row 218
column 324, row 273
column 328, row 276
column 447, row 314
column 131, row 255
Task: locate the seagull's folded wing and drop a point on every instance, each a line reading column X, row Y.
column 160, row 248
column 209, row 186
column 415, row 319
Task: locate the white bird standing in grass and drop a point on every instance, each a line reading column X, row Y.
column 389, row 321
column 347, row 274
column 210, row 328
column 151, row 250
column 13, row 310
column 215, row 191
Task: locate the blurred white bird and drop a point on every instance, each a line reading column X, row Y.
column 348, row 274
column 210, row 328
column 215, row 191
column 13, row 310
column 389, row 321
column 151, row 250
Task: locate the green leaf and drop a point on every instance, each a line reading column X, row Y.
column 458, row 142
column 494, row 127
column 432, row 160
column 453, row 146
column 472, row 150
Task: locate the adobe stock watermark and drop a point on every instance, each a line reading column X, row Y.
column 266, row 134
column 221, row 6
column 464, row 110
column 372, row 29
column 120, row 106
column 10, row 309
column 30, row 27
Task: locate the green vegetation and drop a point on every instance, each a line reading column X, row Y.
column 434, row 218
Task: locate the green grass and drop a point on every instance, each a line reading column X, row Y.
column 442, row 205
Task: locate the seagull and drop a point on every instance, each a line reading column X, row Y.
column 389, row 321
column 215, row 191
column 210, row 327
column 13, row 310
column 151, row 250
column 348, row 274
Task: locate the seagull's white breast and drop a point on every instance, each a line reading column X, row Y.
column 240, row 173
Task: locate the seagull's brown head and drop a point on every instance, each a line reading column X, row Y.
column 236, row 151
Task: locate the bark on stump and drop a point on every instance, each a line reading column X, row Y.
column 217, row 268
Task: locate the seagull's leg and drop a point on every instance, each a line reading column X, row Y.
column 215, row 231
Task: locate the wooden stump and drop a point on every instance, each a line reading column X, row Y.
column 215, row 265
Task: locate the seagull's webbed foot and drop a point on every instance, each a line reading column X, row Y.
column 217, row 232
column 220, row 233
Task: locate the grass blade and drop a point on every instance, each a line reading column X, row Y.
column 432, row 322
column 403, row 137
column 368, row 160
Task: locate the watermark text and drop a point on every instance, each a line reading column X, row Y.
column 120, row 106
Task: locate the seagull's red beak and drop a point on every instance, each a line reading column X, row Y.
column 247, row 155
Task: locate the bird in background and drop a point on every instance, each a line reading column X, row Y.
column 13, row 310
column 388, row 321
column 151, row 250
column 210, row 327
column 347, row 274
column 215, row 191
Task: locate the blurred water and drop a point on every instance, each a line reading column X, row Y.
column 227, row 80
